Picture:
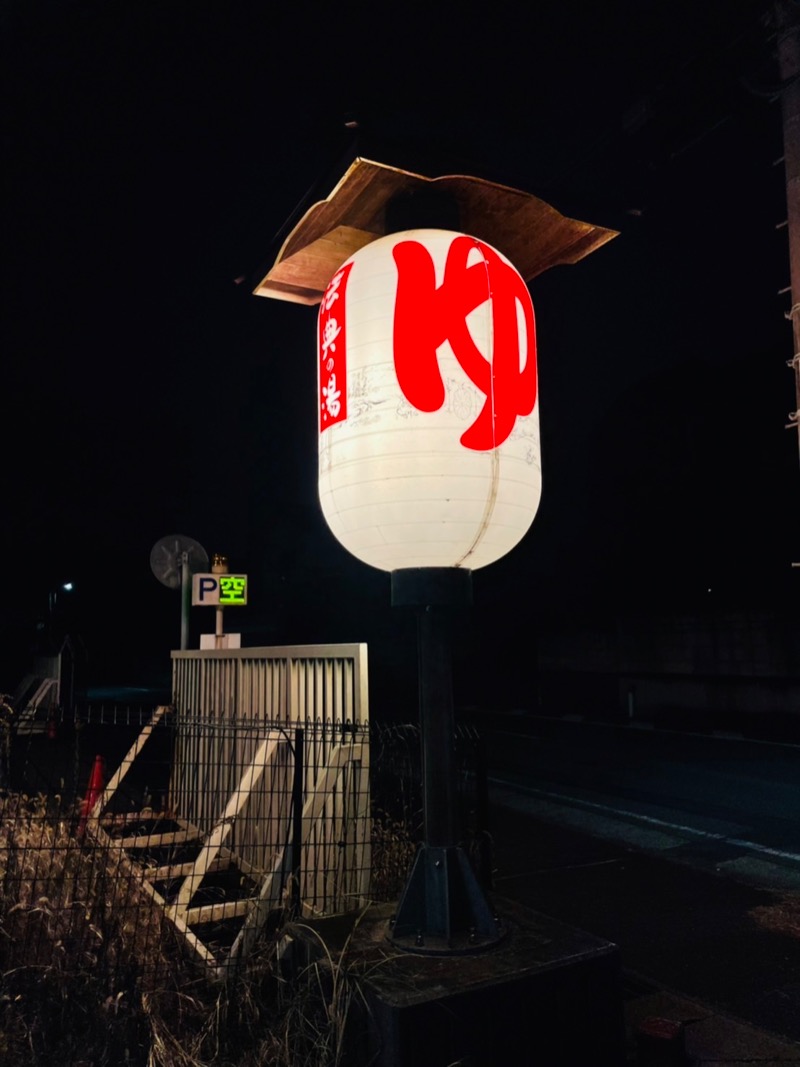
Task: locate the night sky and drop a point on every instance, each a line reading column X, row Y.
column 153, row 152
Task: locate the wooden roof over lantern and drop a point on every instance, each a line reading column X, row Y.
column 527, row 230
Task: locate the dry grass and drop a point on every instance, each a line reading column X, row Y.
column 65, row 905
column 76, row 941
column 90, row 973
column 393, row 849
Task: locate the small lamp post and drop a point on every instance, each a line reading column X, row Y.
column 53, row 599
column 52, row 596
column 428, row 436
column 219, row 565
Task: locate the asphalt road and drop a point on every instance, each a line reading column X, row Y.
column 721, row 803
column 682, row 850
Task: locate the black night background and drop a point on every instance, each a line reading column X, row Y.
column 153, row 152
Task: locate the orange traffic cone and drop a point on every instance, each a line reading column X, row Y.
column 93, row 792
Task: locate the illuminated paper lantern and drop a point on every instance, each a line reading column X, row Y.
column 428, row 411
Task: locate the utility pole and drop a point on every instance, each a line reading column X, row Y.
column 787, row 20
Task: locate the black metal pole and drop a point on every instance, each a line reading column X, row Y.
column 437, row 726
column 443, row 909
column 297, row 819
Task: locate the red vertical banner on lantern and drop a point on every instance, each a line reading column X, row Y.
column 332, row 338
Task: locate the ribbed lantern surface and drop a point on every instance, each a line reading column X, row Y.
column 428, row 410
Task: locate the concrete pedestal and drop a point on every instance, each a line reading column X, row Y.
column 547, row 995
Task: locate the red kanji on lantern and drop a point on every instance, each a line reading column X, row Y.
column 332, row 351
column 427, row 315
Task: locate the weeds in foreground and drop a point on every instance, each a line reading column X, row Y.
column 77, row 941
column 393, row 849
column 286, row 1010
column 90, row 973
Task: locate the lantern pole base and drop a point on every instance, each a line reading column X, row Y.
column 443, row 910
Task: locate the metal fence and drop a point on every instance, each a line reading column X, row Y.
column 202, row 834
column 127, row 838
column 300, row 684
column 238, row 711
column 397, row 802
column 68, row 908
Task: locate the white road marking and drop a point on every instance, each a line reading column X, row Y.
column 692, row 831
column 755, row 847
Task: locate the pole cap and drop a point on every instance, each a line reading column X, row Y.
column 414, row 587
